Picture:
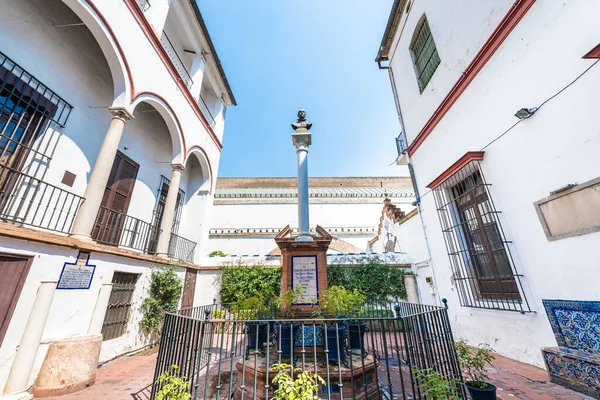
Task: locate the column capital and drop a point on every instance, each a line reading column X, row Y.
column 120, row 113
column 178, row 167
column 301, row 140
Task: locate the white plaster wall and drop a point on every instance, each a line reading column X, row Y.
column 557, row 146
column 71, row 310
column 207, row 287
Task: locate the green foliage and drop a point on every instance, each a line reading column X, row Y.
column 435, row 387
column 217, row 253
column 172, row 386
column 378, row 281
column 473, row 362
column 218, row 314
column 253, row 307
column 239, row 282
column 285, row 300
column 304, row 387
column 165, row 291
column 338, row 301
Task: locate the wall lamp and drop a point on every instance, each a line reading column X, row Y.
column 525, row 113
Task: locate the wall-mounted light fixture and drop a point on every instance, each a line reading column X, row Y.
column 525, row 113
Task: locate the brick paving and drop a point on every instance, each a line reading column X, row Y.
column 129, row 378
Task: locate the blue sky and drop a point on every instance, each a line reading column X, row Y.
column 282, row 55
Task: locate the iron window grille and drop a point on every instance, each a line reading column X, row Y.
column 32, row 117
column 119, row 305
column 424, row 53
column 483, row 268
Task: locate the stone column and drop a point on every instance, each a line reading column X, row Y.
column 20, row 371
column 169, row 211
column 86, row 216
column 302, row 140
column 100, row 309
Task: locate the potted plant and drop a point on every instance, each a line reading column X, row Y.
column 434, row 387
column 473, row 363
column 286, row 330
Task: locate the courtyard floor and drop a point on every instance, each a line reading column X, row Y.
column 129, row 378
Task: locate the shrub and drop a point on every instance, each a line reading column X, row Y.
column 172, row 386
column 165, row 291
column 239, row 282
column 435, row 387
column 217, row 253
column 304, row 387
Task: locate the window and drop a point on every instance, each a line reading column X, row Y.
column 424, row 54
column 119, row 305
column 481, row 262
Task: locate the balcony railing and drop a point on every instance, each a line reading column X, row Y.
column 183, row 72
column 381, row 353
column 118, row 229
column 207, row 114
column 181, row 248
column 26, row 200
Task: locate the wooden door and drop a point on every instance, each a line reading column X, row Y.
column 189, row 289
column 13, row 273
column 115, row 202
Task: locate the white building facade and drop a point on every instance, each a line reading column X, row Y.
column 249, row 212
column 497, row 103
column 111, row 122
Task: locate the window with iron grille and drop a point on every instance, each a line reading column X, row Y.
column 119, row 305
column 424, row 54
column 159, row 209
column 482, row 265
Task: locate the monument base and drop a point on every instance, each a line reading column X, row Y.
column 304, row 263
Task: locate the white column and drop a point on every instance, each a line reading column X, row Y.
column 302, row 140
column 86, row 216
column 197, row 74
column 20, row 371
column 100, row 309
column 169, row 211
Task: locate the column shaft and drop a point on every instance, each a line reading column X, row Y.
column 86, row 216
column 20, row 371
column 303, row 222
column 166, row 223
column 100, row 309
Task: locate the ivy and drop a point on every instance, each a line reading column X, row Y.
column 376, row 280
column 165, row 291
column 240, row 282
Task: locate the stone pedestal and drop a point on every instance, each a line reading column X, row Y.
column 290, row 249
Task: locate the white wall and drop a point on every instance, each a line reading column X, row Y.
column 557, row 146
column 71, row 310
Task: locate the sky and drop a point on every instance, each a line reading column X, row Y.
column 283, row 55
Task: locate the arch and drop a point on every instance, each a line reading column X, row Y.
column 115, row 57
column 170, row 119
column 204, row 163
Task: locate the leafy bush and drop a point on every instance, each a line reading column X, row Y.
column 473, row 362
column 165, row 291
column 338, row 301
column 240, row 281
column 435, row 387
column 304, row 387
column 172, row 386
column 378, row 281
column 217, row 253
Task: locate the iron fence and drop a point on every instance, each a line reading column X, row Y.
column 118, row 229
column 370, row 357
column 26, row 200
column 174, row 56
column 181, row 248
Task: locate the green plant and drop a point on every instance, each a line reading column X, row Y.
column 173, row 386
column 253, row 307
column 285, row 300
column 376, row 280
column 218, row 314
column 239, row 282
column 165, row 291
column 338, row 301
column 217, row 253
column 473, row 362
column 304, row 387
column 435, row 387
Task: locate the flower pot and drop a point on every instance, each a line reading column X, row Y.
column 335, row 343
column 257, row 335
column 356, row 335
column 285, row 334
column 477, row 393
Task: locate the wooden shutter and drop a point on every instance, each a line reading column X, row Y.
column 13, row 273
column 189, row 288
column 121, row 182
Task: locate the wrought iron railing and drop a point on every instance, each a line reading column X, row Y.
column 373, row 356
column 26, row 200
column 181, row 248
column 174, row 56
column 118, row 229
column 206, row 111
